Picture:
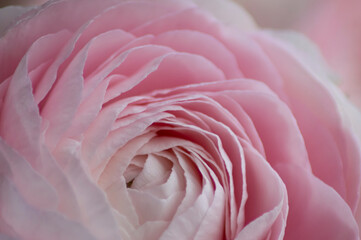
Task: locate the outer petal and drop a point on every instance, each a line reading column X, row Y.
column 32, row 223
column 316, row 210
column 13, row 48
column 267, row 205
column 334, row 154
column 8, row 15
column 40, row 193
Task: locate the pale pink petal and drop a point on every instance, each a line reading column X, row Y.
column 29, row 222
column 266, row 208
column 238, row 112
column 254, row 63
column 199, row 43
column 153, row 75
column 8, row 16
column 331, row 151
column 216, row 202
column 13, row 48
column 42, row 52
column 68, row 203
column 190, row 18
column 39, row 193
column 151, row 208
column 137, row 57
column 221, row 165
column 114, row 185
column 120, row 136
column 61, row 105
column 87, row 111
column 180, row 67
column 316, row 210
column 98, row 131
column 91, row 105
column 149, row 230
column 96, row 212
column 21, row 128
column 129, row 15
column 28, row 123
column 197, row 214
column 128, row 60
column 279, row 130
column 102, row 47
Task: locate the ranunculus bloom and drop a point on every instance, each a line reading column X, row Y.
column 153, row 120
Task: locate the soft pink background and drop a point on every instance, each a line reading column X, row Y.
column 334, row 25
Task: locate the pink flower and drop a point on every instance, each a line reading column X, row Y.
column 154, row 120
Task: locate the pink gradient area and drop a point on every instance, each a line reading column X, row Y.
column 142, row 119
column 334, row 26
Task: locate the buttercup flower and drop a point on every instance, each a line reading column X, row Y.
column 169, row 120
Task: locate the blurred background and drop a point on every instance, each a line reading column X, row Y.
column 4, row 3
column 334, row 25
column 278, row 13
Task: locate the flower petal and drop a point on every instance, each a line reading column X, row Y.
column 316, row 210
